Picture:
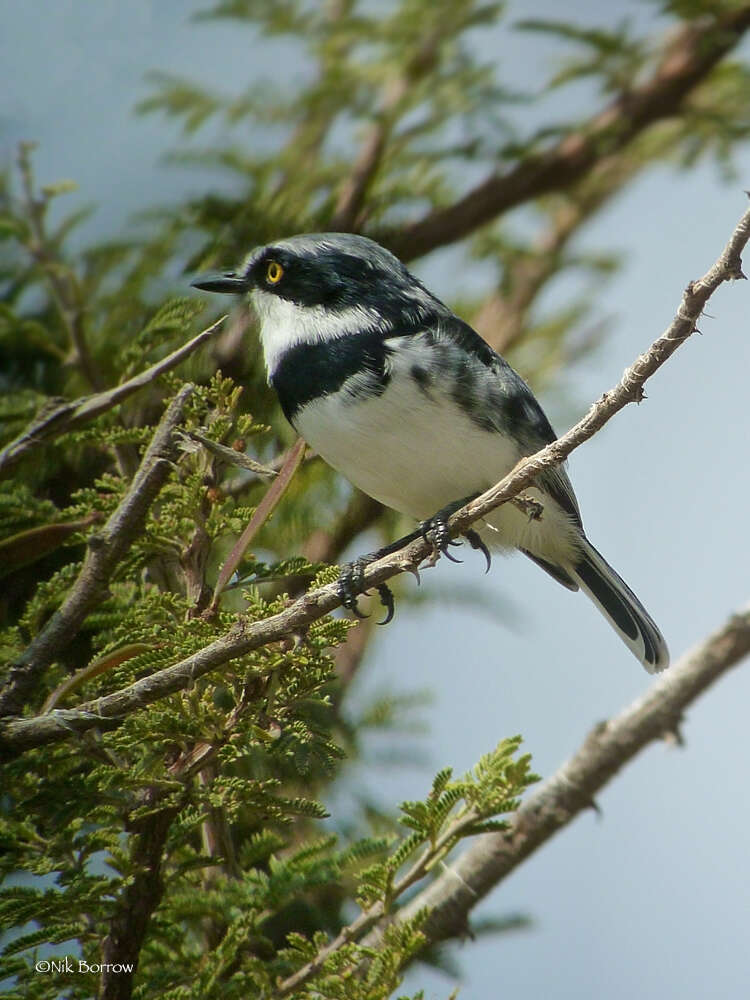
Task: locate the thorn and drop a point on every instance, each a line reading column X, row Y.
column 673, row 736
column 534, row 509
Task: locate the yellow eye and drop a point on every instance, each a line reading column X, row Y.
column 274, row 273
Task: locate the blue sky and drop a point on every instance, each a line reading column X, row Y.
column 651, row 898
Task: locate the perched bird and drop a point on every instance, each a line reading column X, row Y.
column 410, row 404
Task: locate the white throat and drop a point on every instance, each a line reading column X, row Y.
column 284, row 324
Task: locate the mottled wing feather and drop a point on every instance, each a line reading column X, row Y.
column 496, row 396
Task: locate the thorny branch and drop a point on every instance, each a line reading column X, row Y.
column 16, row 735
column 68, row 415
column 105, row 550
column 687, row 60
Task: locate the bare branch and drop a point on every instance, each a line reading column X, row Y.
column 66, row 416
column 105, row 549
column 686, row 61
column 452, row 896
column 19, row 734
column 628, row 390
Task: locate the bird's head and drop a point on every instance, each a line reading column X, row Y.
column 324, row 286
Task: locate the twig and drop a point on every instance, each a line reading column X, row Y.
column 263, row 511
column 686, row 62
column 63, row 284
column 18, row 735
column 371, row 153
column 502, row 318
column 68, row 415
column 629, row 389
column 229, row 455
column 355, row 930
column 105, row 549
column 451, row 897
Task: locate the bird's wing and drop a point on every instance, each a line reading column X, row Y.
column 496, row 397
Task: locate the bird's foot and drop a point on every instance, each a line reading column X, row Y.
column 351, row 581
column 435, row 530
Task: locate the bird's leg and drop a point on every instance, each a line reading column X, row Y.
column 434, row 530
column 351, row 578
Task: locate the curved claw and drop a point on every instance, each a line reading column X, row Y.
column 447, row 555
column 477, row 542
column 386, row 599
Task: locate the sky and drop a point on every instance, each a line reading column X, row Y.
column 651, row 897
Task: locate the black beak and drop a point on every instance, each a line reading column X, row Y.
column 228, row 282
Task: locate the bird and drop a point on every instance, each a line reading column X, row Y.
column 413, row 407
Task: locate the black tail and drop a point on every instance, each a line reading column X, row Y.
column 621, row 608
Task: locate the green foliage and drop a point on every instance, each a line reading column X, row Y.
column 613, row 56
column 453, row 809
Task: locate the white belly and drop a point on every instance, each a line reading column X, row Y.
column 417, row 453
column 401, row 447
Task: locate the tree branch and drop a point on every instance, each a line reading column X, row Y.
column 502, row 318
column 367, row 162
column 20, row 734
column 134, row 908
column 64, row 286
column 105, row 549
column 686, row 61
column 68, row 415
column 451, row 897
column 458, row 828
